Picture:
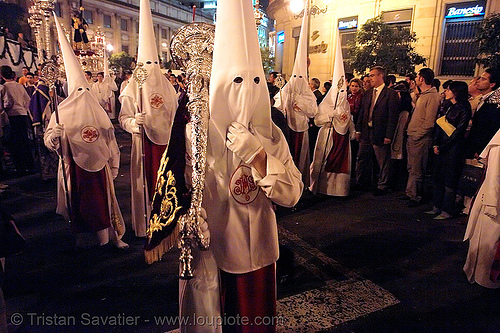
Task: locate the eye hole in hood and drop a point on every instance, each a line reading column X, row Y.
column 256, row 80
column 238, row 79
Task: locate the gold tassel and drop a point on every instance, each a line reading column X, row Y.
column 165, row 245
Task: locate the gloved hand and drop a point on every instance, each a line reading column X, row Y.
column 114, row 172
column 202, row 221
column 242, row 143
column 140, row 118
column 58, row 131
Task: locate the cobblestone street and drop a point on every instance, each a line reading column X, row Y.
column 362, row 264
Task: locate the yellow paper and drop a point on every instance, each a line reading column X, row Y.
column 445, row 125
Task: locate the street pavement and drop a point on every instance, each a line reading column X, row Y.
column 359, row 264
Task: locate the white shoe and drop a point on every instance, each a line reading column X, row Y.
column 433, row 211
column 443, row 216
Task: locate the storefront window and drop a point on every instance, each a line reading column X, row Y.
column 346, row 37
column 347, row 33
column 459, row 49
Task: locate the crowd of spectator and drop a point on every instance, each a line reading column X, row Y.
column 414, row 130
column 415, row 133
column 18, row 38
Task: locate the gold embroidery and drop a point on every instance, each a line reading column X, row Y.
column 165, row 188
column 160, row 180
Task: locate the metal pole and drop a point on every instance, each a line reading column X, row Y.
column 323, row 158
column 50, row 72
column 140, row 76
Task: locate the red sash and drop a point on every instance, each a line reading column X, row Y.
column 89, row 200
column 152, row 157
column 296, row 145
column 338, row 158
column 251, row 295
column 495, row 267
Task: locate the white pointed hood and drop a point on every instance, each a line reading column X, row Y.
column 300, row 65
column 73, row 69
column 106, row 65
column 297, row 92
column 238, row 93
column 159, row 99
column 86, row 124
column 238, row 90
column 147, row 42
column 107, row 76
column 335, row 104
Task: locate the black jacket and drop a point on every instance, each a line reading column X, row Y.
column 384, row 118
column 458, row 115
column 485, row 124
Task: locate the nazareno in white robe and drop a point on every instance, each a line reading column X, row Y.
column 300, row 104
column 105, row 95
column 159, row 102
column 323, row 182
column 88, row 138
column 483, row 228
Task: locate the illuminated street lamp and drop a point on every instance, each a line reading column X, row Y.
column 297, row 6
column 110, row 48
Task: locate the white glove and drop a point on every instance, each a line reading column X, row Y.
column 242, row 143
column 114, row 172
column 202, row 221
column 140, row 118
column 58, row 131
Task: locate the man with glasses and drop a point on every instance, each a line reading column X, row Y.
column 375, row 129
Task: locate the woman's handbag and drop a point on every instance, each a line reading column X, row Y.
column 445, row 125
column 471, row 178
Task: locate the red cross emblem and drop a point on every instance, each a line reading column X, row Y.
column 343, row 117
column 156, row 101
column 89, row 134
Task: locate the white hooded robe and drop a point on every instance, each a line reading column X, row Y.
column 483, row 228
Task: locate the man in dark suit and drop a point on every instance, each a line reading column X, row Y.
column 375, row 128
column 314, row 85
column 486, row 120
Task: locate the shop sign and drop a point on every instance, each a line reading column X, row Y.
column 281, row 37
column 466, row 9
column 320, row 48
column 397, row 16
column 348, row 23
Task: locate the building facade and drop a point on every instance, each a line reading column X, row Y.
column 119, row 21
column 445, row 30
